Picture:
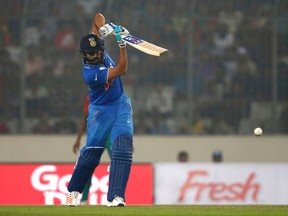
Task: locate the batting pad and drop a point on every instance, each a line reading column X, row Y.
column 121, row 160
column 84, row 169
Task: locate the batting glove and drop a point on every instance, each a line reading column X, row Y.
column 106, row 30
column 118, row 36
column 123, row 30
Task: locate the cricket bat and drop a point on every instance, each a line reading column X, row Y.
column 140, row 44
column 144, row 46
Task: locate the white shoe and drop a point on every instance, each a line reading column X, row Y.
column 71, row 198
column 116, row 202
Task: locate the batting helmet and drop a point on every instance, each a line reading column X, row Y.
column 90, row 44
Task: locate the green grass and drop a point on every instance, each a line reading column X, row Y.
column 151, row 210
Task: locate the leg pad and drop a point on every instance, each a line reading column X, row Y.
column 85, row 166
column 121, row 160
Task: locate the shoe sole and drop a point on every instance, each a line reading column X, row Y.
column 119, row 205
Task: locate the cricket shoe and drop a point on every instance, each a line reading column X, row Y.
column 116, row 202
column 71, row 198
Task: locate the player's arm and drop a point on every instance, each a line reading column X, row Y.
column 103, row 30
column 122, row 65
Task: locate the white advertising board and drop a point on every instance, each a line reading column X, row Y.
column 211, row 183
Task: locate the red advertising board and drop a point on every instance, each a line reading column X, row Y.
column 47, row 184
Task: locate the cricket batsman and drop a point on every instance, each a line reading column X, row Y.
column 110, row 112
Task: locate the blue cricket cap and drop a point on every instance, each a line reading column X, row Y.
column 91, row 43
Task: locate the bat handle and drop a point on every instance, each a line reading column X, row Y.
column 117, row 35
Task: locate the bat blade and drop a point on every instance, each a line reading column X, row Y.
column 144, row 46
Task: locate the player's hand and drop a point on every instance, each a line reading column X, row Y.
column 109, row 28
column 106, row 30
column 118, row 36
column 76, row 147
column 123, row 31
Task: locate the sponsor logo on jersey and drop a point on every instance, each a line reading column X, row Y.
column 132, row 39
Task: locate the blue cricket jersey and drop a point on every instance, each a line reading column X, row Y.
column 110, row 110
column 96, row 77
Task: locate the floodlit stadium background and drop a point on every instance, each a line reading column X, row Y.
column 226, row 71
